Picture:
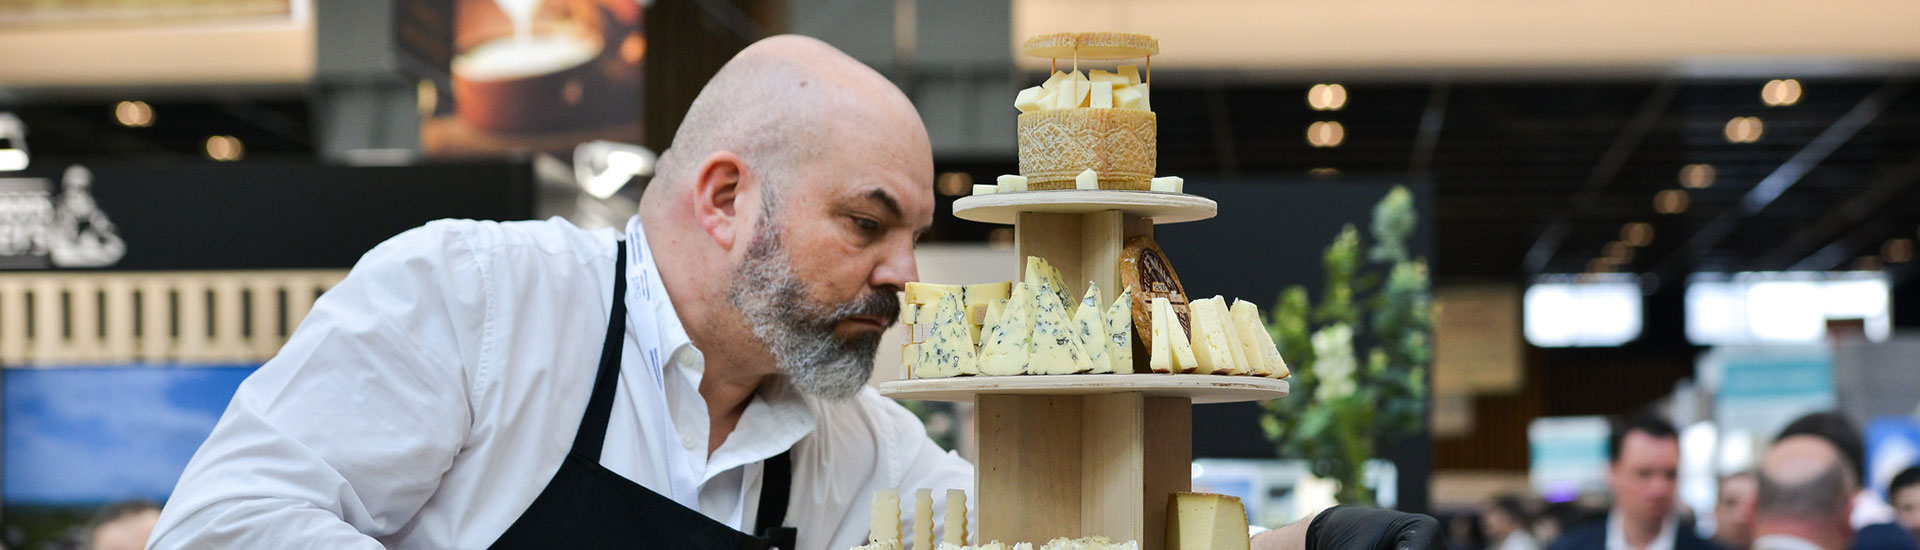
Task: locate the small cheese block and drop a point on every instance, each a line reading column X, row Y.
column 985, row 189
column 956, row 532
column 1120, row 332
column 909, row 314
column 1127, row 98
column 1168, row 184
column 1055, row 348
column 1115, row 79
column 909, row 356
column 1082, row 89
column 1240, row 358
column 1090, row 325
column 1088, row 179
column 1101, row 96
column 1180, row 347
column 985, row 293
column 923, row 519
column 1162, row 359
column 927, row 294
column 1053, row 81
column 1131, row 73
column 948, row 352
column 1010, row 183
column 1210, row 343
column 1038, row 271
column 1003, row 346
column 1065, row 95
column 1246, row 321
column 1028, row 100
column 1146, row 96
column 1206, row 521
column 885, row 525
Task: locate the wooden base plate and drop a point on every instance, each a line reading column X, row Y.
column 1003, row 208
column 1201, row 388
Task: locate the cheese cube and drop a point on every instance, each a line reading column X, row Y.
column 885, row 525
column 1162, row 359
column 1127, row 98
column 909, row 314
column 1146, row 96
column 909, row 356
column 1003, row 346
column 1168, row 184
column 1009, row 183
column 948, row 351
column 1205, row 521
column 1120, row 332
column 1210, row 343
column 923, row 519
column 1116, row 79
column 1131, row 74
column 1056, row 347
column 1073, row 91
column 956, row 518
column 1101, row 96
column 1028, row 100
column 1090, row 325
column 1088, row 179
column 985, row 189
column 1246, row 322
column 1053, row 81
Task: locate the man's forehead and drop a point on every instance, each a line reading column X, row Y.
column 902, row 195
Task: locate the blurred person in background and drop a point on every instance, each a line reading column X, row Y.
column 1904, row 495
column 1506, row 523
column 1733, row 526
column 1805, row 497
column 1554, row 519
column 1643, row 456
column 1873, row 531
column 121, row 526
column 1464, row 532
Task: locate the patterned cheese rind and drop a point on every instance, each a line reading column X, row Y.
column 1118, row 144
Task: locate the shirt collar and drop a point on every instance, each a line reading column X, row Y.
column 1617, row 537
column 1784, row 542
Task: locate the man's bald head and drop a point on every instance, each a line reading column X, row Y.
column 1805, row 481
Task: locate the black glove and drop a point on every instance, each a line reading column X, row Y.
column 1351, row 528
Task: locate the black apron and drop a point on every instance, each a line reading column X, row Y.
column 589, row 506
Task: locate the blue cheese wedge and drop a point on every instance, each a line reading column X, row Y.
column 1120, row 332
column 1039, row 271
column 1056, row 348
column 948, row 351
column 1090, row 326
column 1003, row 345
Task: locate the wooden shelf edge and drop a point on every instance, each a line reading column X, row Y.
column 1201, row 388
column 1160, row 207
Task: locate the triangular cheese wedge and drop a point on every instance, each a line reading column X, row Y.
column 1039, row 271
column 1246, row 323
column 1120, row 332
column 1178, row 348
column 949, row 350
column 1161, row 360
column 1003, row 346
column 1210, row 344
column 1055, row 348
column 1243, row 364
column 1205, row 521
column 1090, row 327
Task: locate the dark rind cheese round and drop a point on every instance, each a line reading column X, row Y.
column 1145, row 269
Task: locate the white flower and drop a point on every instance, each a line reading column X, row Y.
column 1333, row 362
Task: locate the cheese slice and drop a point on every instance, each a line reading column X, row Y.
column 1242, row 362
column 1028, row 100
column 985, row 293
column 1003, row 346
column 909, row 314
column 885, row 525
column 1127, row 98
column 1168, row 184
column 1055, row 348
column 1206, row 521
column 1131, row 73
column 1246, row 322
column 1162, row 353
column 1039, row 271
column 1010, row 183
column 1090, row 326
column 985, row 189
column 948, row 352
column 1120, row 332
column 1082, row 89
column 956, row 532
column 1066, row 95
column 1146, row 96
column 1182, row 350
column 929, row 293
column 923, row 519
column 909, row 357
column 1116, row 80
column 1088, row 179
column 1210, row 343
column 1053, row 81
column 1101, row 96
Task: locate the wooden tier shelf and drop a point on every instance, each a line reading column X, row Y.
column 1159, row 207
column 1201, row 388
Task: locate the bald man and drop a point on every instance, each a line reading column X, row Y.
column 1805, row 498
column 696, row 380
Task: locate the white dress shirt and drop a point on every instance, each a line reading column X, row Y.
column 1617, row 534
column 428, row 398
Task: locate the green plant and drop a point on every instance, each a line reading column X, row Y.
column 1374, row 307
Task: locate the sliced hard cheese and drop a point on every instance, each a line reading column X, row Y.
column 1210, row 343
column 1055, row 348
column 1179, row 351
column 1162, row 355
column 1240, row 357
column 1120, row 332
column 885, row 525
column 1101, row 96
column 1206, row 521
column 1115, row 80
column 1168, row 184
column 1090, row 325
column 909, row 356
column 1144, row 269
column 985, row 293
column 1246, row 321
column 1127, row 98
column 1131, row 74
column 1010, row 183
column 1082, row 88
column 956, row 533
column 923, row 519
column 1039, row 271
column 985, row 189
column 948, row 352
column 1146, row 97
column 1003, row 346
column 1088, row 179
column 929, row 294
column 909, row 314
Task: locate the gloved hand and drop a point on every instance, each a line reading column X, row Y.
column 1351, row 528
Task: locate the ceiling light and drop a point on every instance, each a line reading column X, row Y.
column 1637, row 234
column 1326, row 133
column 1744, row 129
column 1618, row 252
column 1327, row 97
column 1897, row 251
column 1780, row 93
column 1867, row 263
column 1696, row 176
column 225, row 148
column 133, row 114
column 1324, row 172
column 955, row 184
column 1670, row 201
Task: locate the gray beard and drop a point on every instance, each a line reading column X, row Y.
column 798, row 332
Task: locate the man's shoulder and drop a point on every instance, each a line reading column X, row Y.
column 554, row 235
column 1591, row 535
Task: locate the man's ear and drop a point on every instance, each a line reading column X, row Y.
column 718, row 184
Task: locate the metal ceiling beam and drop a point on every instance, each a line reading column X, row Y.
column 1602, row 175
column 1420, row 166
column 1783, row 178
column 1803, row 249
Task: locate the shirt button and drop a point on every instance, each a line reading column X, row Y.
column 688, row 442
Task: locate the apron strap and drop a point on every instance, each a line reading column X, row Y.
column 593, row 426
column 777, row 476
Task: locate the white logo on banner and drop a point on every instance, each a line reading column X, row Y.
column 38, row 229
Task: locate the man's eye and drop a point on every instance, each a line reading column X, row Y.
column 866, row 224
